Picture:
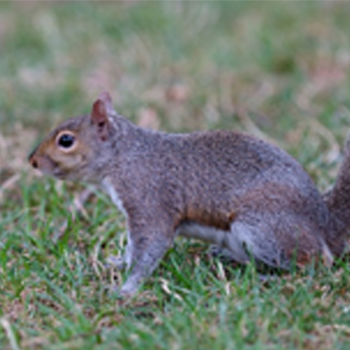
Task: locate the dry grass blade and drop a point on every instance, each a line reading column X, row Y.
column 10, row 334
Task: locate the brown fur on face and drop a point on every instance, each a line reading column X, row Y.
column 53, row 160
column 75, row 163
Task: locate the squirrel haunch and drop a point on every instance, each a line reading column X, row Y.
column 248, row 197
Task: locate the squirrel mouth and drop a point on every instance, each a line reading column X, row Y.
column 58, row 174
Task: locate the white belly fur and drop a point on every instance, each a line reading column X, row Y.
column 110, row 190
column 226, row 240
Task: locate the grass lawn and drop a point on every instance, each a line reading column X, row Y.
column 277, row 70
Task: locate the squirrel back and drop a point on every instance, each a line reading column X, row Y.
column 243, row 194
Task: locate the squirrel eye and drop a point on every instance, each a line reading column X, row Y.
column 66, row 141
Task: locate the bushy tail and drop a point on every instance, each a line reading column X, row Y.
column 338, row 198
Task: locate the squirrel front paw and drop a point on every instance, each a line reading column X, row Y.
column 116, row 261
column 127, row 291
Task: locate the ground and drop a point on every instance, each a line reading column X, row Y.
column 276, row 70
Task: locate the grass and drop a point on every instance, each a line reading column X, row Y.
column 279, row 71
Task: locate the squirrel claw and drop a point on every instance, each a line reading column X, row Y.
column 115, row 261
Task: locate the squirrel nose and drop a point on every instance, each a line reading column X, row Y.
column 32, row 160
column 34, row 163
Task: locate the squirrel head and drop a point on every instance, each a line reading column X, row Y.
column 77, row 149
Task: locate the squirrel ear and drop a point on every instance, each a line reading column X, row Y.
column 106, row 98
column 99, row 114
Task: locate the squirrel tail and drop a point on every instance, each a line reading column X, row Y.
column 338, row 198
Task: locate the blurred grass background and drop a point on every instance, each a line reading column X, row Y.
column 279, row 70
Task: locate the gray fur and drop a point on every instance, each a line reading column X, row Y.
column 245, row 195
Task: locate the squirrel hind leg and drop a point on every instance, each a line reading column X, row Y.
column 277, row 244
column 272, row 242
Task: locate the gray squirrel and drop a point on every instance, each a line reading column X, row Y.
column 249, row 198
